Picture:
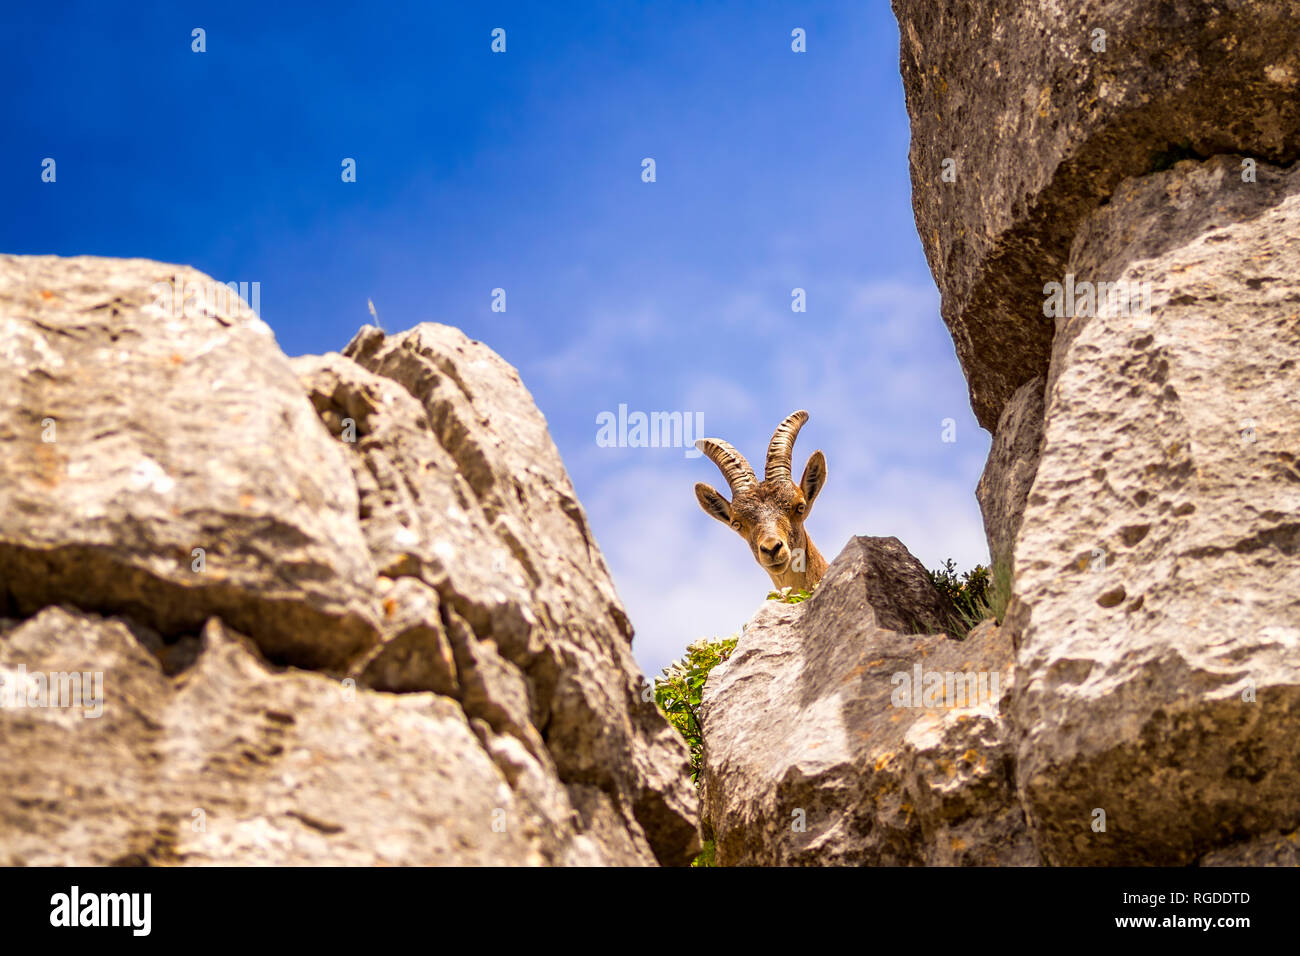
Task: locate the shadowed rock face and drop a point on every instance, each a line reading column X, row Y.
column 1009, row 473
column 398, row 517
column 1043, row 127
column 821, row 746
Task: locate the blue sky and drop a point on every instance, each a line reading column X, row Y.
column 522, row 170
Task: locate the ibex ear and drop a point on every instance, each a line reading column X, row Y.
column 814, row 476
column 712, row 502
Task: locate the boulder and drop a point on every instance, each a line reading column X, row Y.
column 1155, row 612
column 159, row 459
column 394, row 525
column 526, row 578
column 1043, row 109
column 237, row 763
column 841, row 731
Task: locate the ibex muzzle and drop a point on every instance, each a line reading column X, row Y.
column 770, row 514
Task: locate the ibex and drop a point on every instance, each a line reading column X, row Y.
column 770, row 514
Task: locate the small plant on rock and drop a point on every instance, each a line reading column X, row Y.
column 679, row 690
column 978, row 594
column 968, row 592
column 790, row 595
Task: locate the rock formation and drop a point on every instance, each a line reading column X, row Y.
column 344, row 608
column 1107, row 198
column 847, row 730
column 1137, row 153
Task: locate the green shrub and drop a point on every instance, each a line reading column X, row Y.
column 789, row 595
column 679, row 690
column 978, row 594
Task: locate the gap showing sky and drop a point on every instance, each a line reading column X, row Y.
column 522, row 171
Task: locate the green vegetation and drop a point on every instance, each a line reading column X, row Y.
column 968, row 592
column 789, row 595
column 706, row 855
column 679, row 690
column 678, row 693
column 978, row 594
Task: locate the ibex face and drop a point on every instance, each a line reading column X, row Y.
column 770, row 514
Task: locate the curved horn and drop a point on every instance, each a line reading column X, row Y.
column 740, row 476
column 782, row 447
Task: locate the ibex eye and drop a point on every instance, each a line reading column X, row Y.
column 736, row 525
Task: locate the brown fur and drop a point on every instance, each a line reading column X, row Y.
column 770, row 515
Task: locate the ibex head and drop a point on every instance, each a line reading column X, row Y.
column 770, row 514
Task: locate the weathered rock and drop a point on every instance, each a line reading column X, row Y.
column 236, row 764
column 136, row 426
column 1277, row 849
column 812, row 721
column 415, row 653
column 1156, row 614
column 1043, row 124
column 424, row 542
column 1009, row 473
column 528, row 578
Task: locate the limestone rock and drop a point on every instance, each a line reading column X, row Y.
column 138, row 424
column 819, row 750
column 531, row 580
column 1156, row 615
column 1276, row 849
column 1043, row 116
column 235, row 763
column 401, row 527
column 1012, row 463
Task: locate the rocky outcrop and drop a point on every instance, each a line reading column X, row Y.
column 847, row 730
column 1157, row 684
column 1158, row 564
column 1277, row 849
column 157, row 459
column 1044, row 108
column 345, row 609
column 1003, row 488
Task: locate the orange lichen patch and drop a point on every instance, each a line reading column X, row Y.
column 958, row 844
column 246, row 500
column 46, row 294
column 390, row 607
column 176, row 358
column 883, row 761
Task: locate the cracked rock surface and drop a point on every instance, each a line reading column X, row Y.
column 811, row 757
column 399, row 644
column 1144, row 472
column 1042, row 125
column 1158, row 564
